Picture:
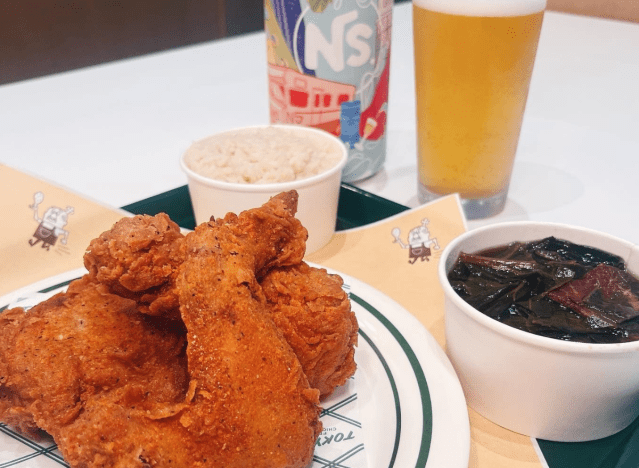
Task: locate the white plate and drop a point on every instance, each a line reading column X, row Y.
column 410, row 401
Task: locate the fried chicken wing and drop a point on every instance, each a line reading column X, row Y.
column 80, row 345
column 314, row 314
column 138, row 258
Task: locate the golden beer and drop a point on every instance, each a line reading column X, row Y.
column 472, row 74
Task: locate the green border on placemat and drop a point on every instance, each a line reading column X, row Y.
column 356, row 207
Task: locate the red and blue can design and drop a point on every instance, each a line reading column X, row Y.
column 328, row 67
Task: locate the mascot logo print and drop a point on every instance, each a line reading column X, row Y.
column 51, row 225
column 419, row 242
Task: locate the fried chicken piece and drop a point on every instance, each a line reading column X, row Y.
column 79, row 346
column 138, row 258
column 252, row 395
column 314, row 314
column 105, row 381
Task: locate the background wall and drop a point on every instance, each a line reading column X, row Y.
column 627, row 10
column 40, row 37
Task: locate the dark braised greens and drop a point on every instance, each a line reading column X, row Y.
column 554, row 288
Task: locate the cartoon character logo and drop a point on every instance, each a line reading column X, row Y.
column 51, row 225
column 419, row 242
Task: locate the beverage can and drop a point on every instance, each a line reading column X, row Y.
column 328, row 68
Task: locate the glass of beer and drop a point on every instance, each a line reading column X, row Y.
column 473, row 64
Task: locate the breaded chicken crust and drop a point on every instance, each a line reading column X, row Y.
column 79, row 346
column 314, row 314
column 139, row 258
column 250, row 388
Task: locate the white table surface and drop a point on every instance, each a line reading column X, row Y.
column 114, row 132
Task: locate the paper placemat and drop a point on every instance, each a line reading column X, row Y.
column 45, row 228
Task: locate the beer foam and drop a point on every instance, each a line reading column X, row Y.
column 483, row 7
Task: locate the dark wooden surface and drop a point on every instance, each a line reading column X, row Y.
column 244, row 16
column 41, row 37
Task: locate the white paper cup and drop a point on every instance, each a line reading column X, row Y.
column 535, row 385
column 318, row 194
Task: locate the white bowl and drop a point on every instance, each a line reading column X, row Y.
column 318, row 194
column 534, row 385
